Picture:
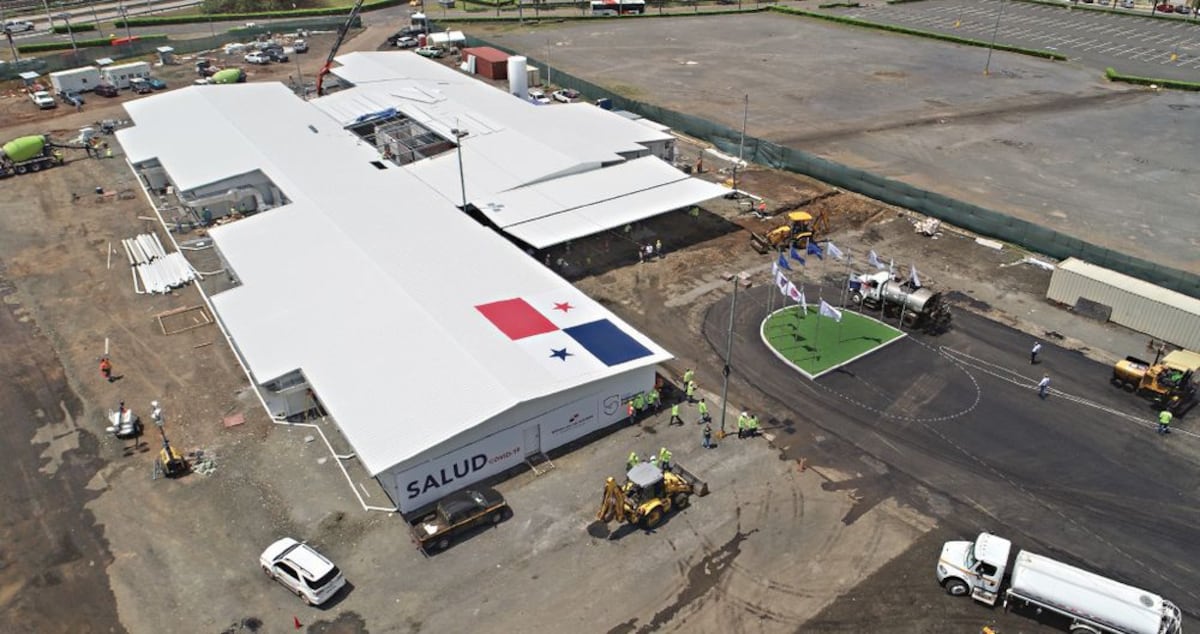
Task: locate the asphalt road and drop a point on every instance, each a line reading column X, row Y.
column 958, row 414
column 1138, row 46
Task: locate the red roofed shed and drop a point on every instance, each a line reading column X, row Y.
column 489, row 62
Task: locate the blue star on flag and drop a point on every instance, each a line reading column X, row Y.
column 561, row 354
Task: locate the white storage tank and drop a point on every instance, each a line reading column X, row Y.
column 518, row 80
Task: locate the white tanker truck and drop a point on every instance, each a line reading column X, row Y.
column 917, row 306
column 1093, row 604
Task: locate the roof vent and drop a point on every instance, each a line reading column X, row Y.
column 313, row 128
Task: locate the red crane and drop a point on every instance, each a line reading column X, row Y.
column 341, row 37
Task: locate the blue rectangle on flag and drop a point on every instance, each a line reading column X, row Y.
column 607, row 342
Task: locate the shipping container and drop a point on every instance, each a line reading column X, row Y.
column 120, row 75
column 489, row 62
column 75, row 79
column 1161, row 313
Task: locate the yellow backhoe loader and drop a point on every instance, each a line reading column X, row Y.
column 649, row 493
column 800, row 228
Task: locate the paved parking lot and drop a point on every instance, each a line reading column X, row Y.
column 1137, row 46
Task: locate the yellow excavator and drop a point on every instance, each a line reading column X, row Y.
column 649, row 493
column 801, row 227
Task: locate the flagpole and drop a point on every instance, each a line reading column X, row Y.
column 728, row 358
column 903, row 306
column 775, row 283
column 818, row 335
column 846, row 284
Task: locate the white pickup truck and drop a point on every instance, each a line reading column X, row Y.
column 43, row 100
column 1093, row 604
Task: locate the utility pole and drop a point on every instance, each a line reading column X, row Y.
column 125, row 19
column 95, row 16
column 728, row 355
column 66, row 17
column 49, row 18
column 741, row 146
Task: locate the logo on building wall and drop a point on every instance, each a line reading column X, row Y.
column 611, row 404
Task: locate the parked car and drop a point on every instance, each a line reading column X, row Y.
column 156, row 83
column 1126, row 4
column 456, row 514
column 300, row 46
column 408, row 31
column 140, row 86
column 566, row 95
column 18, row 26
column 538, row 96
column 276, row 54
column 106, row 90
column 71, row 97
column 302, row 570
column 257, row 58
column 1182, row 9
column 43, row 100
column 1165, row 8
column 407, row 42
column 430, row 51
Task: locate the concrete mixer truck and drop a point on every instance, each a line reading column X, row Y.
column 28, row 154
column 917, row 306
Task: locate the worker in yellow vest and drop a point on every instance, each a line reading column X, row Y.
column 752, row 425
column 664, row 459
column 639, row 402
column 675, row 419
column 633, row 460
column 689, row 375
column 653, row 399
column 691, row 391
column 742, row 418
column 702, row 408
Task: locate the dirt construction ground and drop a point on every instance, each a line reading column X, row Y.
column 808, row 530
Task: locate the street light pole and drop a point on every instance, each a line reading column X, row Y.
column 49, row 18
column 95, row 16
column 728, row 356
column 987, row 68
column 125, row 19
column 66, row 18
column 459, row 133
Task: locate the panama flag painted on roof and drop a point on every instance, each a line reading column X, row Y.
column 564, row 332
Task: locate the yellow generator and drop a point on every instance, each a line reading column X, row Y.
column 649, row 493
column 1170, row 381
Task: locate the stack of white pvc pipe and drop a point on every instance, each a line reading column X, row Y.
column 150, row 264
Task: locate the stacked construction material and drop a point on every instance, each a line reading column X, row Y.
column 158, row 271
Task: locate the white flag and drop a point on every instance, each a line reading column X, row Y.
column 873, row 260
column 832, row 249
column 782, row 282
column 912, row 276
column 797, row 295
column 775, row 268
column 830, row 311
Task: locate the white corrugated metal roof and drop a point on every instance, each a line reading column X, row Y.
column 579, row 205
column 443, row 98
column 1132, row 285
column 371, row 283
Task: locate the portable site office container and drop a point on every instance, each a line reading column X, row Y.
column 120, row 75
column 75, row 79
column 1159, row 312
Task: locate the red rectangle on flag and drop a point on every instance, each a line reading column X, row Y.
column 516, row 318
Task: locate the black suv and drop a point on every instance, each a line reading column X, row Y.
column 275, row 54
column 106, row 90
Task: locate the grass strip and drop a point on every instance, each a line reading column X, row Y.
column 1175, row 84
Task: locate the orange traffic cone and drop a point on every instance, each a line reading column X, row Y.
column 296, row 622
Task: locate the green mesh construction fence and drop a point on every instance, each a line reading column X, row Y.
column 974, row 218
